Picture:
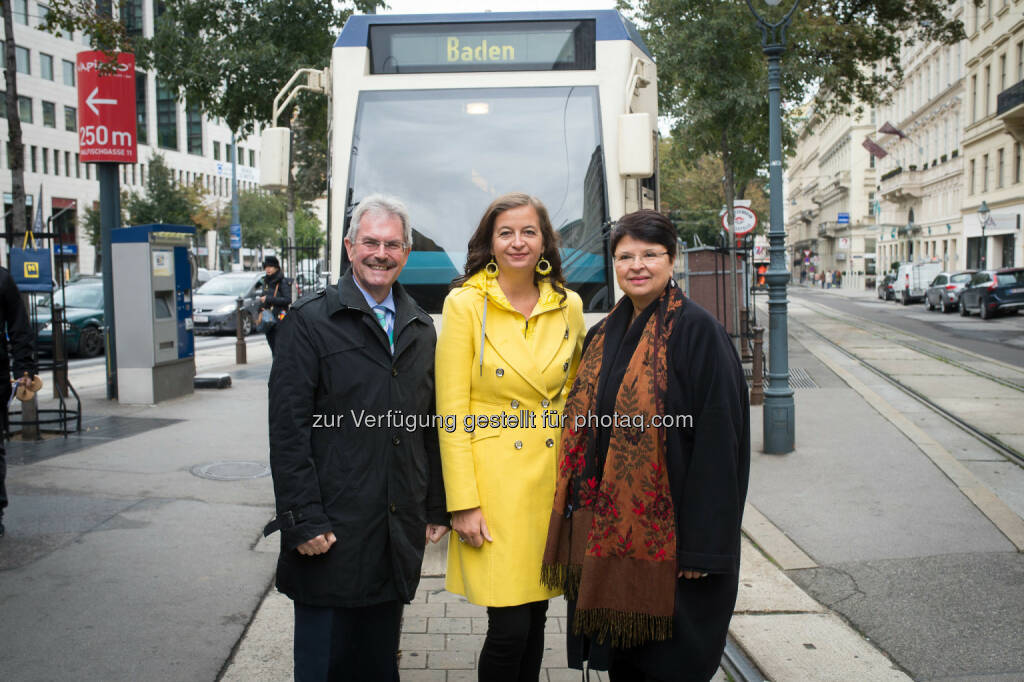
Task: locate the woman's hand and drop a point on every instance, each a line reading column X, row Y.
column 691, row 575
column 471, row 527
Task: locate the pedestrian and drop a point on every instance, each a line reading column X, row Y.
column 354, row 455
column 277, row 301
column 13, row 322
column 803, row 276
column 839, row 279
column 655, row 458
column 511, row 336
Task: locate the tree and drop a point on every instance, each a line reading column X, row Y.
column 163, row 201
column 263, row 216
column 849, row 49
column 15, row 146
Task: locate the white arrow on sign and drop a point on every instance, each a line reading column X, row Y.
column 92, row 100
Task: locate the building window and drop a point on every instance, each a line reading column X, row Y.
column 32, row 159
column 999, row 168
column 25, row 109
column 241, row 156
column 70, row 119
column 166, row 117
column 21, row 59
column 49, row 114
column 984, row 173
column 46, row 160
column 20, row 9
column 970, row 179
column 131, row 17
column 988, row 88
column 56, row 162
column 1016, row 162
column 69, row 72
column 141, row 117
column 216, row 151
column 45, row 66
column 78, row 166
column 252, row 159
column 1002, row 72
column 194, row 126
column 974, row 99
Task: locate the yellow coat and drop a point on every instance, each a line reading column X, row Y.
column 508, row 471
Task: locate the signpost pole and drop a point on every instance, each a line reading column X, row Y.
column 110, row 219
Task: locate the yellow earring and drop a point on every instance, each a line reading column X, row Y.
column 491, row 268
column 543, row 267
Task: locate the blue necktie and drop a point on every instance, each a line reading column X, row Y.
column 382, row 317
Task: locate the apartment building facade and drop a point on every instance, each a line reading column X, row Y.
column 994, row 134
column 831, row 190
column 196, row 148
column 921, row 181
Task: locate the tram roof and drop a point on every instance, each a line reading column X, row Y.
column 609, row 23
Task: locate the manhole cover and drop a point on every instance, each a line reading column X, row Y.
column 231, row 471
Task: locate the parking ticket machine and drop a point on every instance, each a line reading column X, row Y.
column 153, row 312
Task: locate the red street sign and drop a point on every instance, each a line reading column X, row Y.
column 106, row 108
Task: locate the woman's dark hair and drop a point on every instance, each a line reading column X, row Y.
column 646, row 226
column 479, row 249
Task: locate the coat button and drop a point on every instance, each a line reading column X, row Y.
column 396, row 440
column 393, row 508
column 566, row 333
column 515, row 404
column 565, row 367
column 550, row 442
column 518, row 445
column 394, row 371
column 545, row 402
column 499, row 372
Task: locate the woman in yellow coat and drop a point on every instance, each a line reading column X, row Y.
column 510, row 341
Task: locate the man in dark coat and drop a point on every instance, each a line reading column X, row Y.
column 277, row 295
column 354, row 455
column 14, row 322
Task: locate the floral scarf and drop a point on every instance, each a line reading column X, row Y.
column 612, row 536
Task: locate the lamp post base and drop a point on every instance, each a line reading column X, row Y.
column 779, row 420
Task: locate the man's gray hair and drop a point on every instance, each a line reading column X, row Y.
column 381, row 204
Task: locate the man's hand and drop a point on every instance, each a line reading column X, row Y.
column 263, row 299
column 471, row 526
column 691, row 575
column 318, row 545
column 435, row 532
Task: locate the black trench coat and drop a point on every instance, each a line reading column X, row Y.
column 375, row 485
column 708, row 468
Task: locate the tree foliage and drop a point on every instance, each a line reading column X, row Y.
column 712, row 76
column 263, row 220
column 163, row 200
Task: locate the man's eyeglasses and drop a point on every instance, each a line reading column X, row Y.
column 374, row 245
column 647, row 257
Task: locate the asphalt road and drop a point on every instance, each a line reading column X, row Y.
column 1001, row 338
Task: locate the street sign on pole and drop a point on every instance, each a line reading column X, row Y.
column 235, row 231
column 106, row 108
column 746, row 220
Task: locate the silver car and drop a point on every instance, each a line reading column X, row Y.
column 213, row 304
column 944, row 291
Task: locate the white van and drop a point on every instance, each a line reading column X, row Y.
column 913, row 279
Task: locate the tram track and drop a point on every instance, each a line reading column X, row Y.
column 991, row 440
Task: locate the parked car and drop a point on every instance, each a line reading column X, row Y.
column 213, row 304
column 204, row 275
column 944, row 291
column 991, row 292
column 83, row 311
column 912, row 280
column 885, row 291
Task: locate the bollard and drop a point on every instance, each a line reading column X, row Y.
column 60, row 365
column 239, row 336
column 757, row 370
column 744, row 336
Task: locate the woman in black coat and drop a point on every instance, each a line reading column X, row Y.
column 645, row 529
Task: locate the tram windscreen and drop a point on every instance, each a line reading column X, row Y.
column 448, row 153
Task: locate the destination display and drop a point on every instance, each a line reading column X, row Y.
column 505, row 46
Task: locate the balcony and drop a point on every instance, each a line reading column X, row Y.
column 901, row 186
column 1010, row 110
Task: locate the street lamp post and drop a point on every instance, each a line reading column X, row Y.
column 983, row 214
column 779, row 414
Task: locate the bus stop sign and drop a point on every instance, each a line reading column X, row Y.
column 106, row 108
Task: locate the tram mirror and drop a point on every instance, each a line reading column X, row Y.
column 275, row 154
column 636, row 145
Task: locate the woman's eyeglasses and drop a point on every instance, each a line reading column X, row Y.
column 647, row 257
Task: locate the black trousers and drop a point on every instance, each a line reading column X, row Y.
column 347, row 644
column 514, row 645
column 5, row 394
column 271, row 333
